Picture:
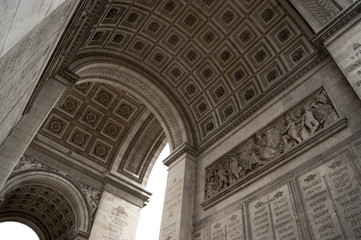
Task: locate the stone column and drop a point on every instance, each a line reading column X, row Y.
column 80, row 236
column 342, row 38
column 115, row 218
column 178, row 204
column 20, row 137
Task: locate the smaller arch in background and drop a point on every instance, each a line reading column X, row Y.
column 19, row 219
column 51, row 181
column 113, row 74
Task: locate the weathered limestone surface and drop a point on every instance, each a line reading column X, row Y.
column 320, row 12
column 345, row 49
column 332, row 196
column 273, row 122
column 17, row 18
column 16, row 143
column 22, row 65
column 178, row 203
column 335, row 194
column 273, row 216
column 115, row 219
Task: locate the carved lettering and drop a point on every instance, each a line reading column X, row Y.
column 272, row 216
column 332, row 196
column 117, row 223
column 353, row 66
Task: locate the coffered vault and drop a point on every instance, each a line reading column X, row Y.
column 92, row 93
column 201, row 68
column 213, row 59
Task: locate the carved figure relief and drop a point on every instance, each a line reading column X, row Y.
column 29, row 163
column 91, row 195
column 294, row 127
column 323, row 10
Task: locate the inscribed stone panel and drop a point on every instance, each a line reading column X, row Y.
column 272, row 216
column 230, row 227
column 331, row 194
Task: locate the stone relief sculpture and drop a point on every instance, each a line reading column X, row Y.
column 323, row 10
column 294, row 127
column 263, row 148
column 29, row 163
column 91, row 194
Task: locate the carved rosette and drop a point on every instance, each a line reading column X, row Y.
column 266, row 146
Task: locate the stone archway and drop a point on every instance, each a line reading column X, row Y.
column 160, row 105
column 30, row 221
column 48, row 202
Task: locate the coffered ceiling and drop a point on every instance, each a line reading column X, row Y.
column 214, row 58
column 217, row 62
column 92, row 122
column 46, row 205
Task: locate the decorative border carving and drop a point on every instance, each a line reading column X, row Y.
column 311, row 62
column 91, row 194
column 107, row 72
column 142, row 149
column 348, row 146
column 183, row 149
column 295, row 131
column 353, row 11
column 322, row 10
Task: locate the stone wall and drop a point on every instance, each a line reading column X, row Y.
column 115, row 219
column 26, row 53
column 311, row 193
column 319, row 13
column 17, row 19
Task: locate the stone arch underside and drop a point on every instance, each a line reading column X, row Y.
column 164, row 110
column 219, row 62
column 49, row 203
column 35, row 224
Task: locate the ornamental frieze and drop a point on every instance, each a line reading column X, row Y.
column 91, row 194
column 291, row 131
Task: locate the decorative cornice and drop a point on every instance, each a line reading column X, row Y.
column 343, row 18
column 138, row 86
column 89, row 193
column 89, row 14
column 282, row 159
column 126, row 190
column 106, row 56
column 80, row 235
column 183, row 149
column 69, row 79
column 299, row 128
column 297, row 73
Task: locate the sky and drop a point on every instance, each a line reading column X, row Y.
column 150, row 216
column 16, row 231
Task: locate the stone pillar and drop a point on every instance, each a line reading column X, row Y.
column 80, row 236
column 178, row 204
column 115, row 218
column 342, row 38
column 20, row 137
